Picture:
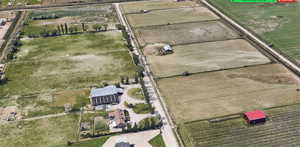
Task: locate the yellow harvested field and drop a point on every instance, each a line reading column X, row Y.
column 213, row 94
column 207, row 56
column 185, row 33
column 134, row 7
column 171, row 16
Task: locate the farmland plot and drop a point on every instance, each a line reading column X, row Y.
column 137, row 7
column 208, row 56
column 185, row 33
column 171, row 16
column 213, row 94
column 277, row 24
column 281, row 130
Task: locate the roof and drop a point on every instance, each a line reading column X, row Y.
column 122, row 144
column 167, row 48
column 108, row 90
column 254, row 115
column 118, row 116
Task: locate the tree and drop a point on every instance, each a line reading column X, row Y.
column 122, row 80
column 66, row 28
column 54, row 32
column 97, row 27
column 83, row 27
column 105, row 27
column 62, row 29
column 118, row 85
column 136, row 79
column 58, row 29
column 127, row 80
column 105, row 84
column 135, row 127
column 147, row 124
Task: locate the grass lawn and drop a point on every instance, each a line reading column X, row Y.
column 40, row 133
column 157, row 141
column 141, row 108
column 136, row 93
column 275, row 23
column 89, row 143
column 50, row 72
column 76, row 61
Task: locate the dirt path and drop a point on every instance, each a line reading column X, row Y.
column 45, row 116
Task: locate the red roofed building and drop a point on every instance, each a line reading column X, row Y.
column 255, row 117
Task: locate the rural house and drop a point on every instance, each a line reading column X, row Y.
column 255, row 117
column 107, row 95
column 118, row 118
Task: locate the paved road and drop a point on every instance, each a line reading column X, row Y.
column 159, row 104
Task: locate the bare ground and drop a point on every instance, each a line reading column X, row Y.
column 206, row 57
column 185, row 33
column 213, row 94
column 171, row 16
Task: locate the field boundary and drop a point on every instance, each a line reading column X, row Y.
column 239, row 113
column 218, row 70
column 281, row 57
column 160, row 25
column 184, row 7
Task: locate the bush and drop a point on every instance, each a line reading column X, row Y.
column 142, row 108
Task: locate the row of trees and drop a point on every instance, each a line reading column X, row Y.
column 64, row 29
column 145, row 124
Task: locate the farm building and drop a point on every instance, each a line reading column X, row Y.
column 167, row 49
column 107, row 95
column 118, row 118
column 255, row 117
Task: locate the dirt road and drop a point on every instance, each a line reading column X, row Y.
column 167, row 129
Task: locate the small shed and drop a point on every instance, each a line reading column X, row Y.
column 167, row 49
column 254, row 117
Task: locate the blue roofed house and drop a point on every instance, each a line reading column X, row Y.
column 107, row 95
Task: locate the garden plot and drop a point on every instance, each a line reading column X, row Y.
column 208, row 56
column 171, row 16
column 137, row 7
column 185, row 33
column 214, row 94
column 281, row 130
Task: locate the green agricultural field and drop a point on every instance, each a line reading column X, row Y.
column 276, row 23
column 39, row 133
column 49, row 72
column 281, row 130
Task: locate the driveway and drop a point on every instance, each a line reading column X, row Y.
column 138, row 139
